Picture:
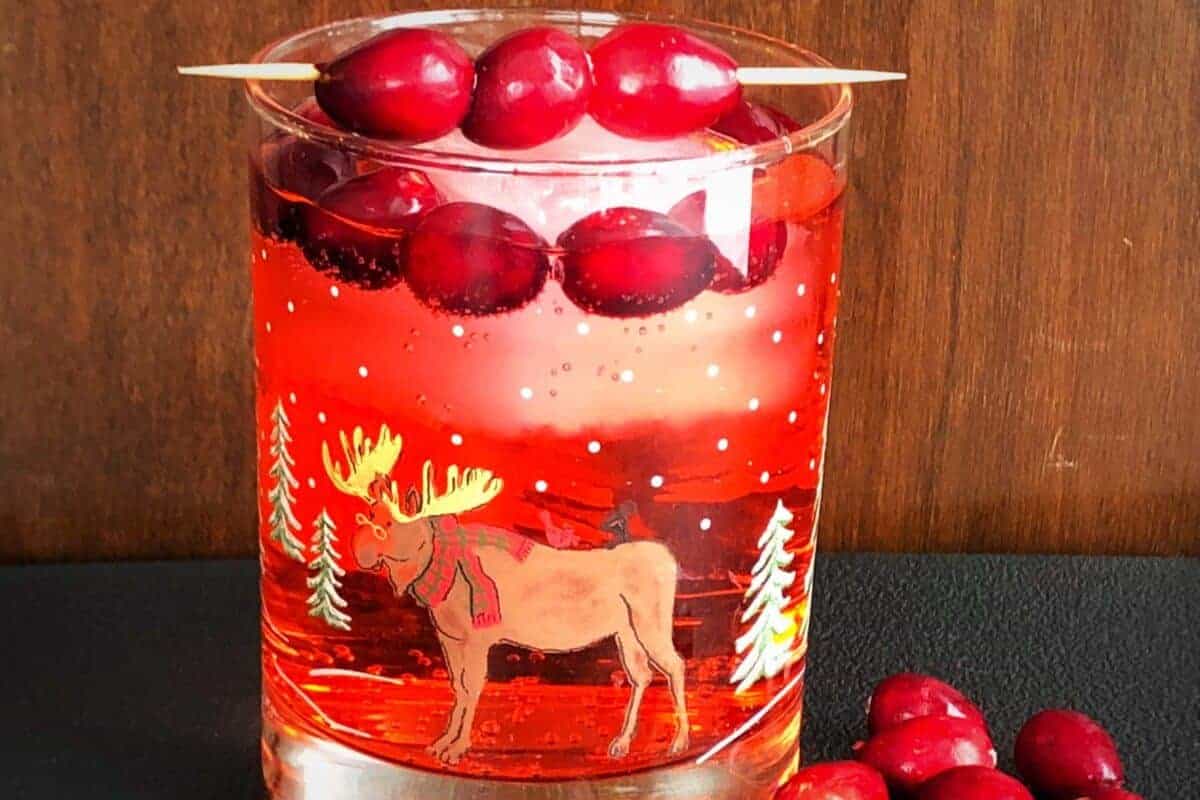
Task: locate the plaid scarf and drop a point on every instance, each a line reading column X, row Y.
column 453, row 554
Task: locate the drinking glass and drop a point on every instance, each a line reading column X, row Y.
column 539, row 476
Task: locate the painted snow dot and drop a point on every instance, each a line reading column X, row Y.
column 656, row 481
column 362, row 371
column 821, row 338
column 705, row 524
column 722, row 444
column 777, row 337
column 792, row 417
column 456, row 439
column 583, row 329
column 800, row 290
column 312, row 483
column 458, row 330
column 626, row 376
column 753, row 404
column 321, row 417
column 713, row 370
column 334, row 291
column 822, row 389
column 268, row 327
column 690, row 315
column 593, row 447
column 526, row 393
column 263, row 254
column 812, row 463
column 541, row 486
column 751, row 311
column 291, row 307
column 292, row 397
column 766, row 476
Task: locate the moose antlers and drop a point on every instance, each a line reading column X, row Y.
column 367, row 462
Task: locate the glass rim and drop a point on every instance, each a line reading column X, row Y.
column 267, row 106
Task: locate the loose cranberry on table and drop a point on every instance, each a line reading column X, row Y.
column 920, row 749
column 531, row 87
column 908, row 695
column 408, row 84
column 1112, row 794
column 356, row 227
column 1064, row 754
column 767, row 241
column 836, row 780
column 657, row 82
column 468, row 258
column 629, row 262
column 973, row 783
column 754, row 123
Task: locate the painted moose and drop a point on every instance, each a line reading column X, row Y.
column 485, row 585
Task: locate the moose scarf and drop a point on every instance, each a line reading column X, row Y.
column 454, row 553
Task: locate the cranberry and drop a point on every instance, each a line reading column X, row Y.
column 837, row 780
column 310, row 109
column 920, row 749
column 907, row 695
column 1064, row 754
column 768, row 239
column 658, row 82
column 407, row 84
column 628, row 262
column 752, row 123
column 973, row 783
column 531, row 86
column 355, row 228
column 468, row 258
column 1112, row 794
column 797, row 188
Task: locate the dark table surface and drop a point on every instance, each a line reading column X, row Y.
column 141, row 680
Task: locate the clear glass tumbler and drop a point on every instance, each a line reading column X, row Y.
column 539, row 477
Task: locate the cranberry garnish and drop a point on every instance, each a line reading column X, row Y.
column 768, row 239
column 531, row 86
column 907, row 696
column 407, row 84
column 974, row 783
column 468, row 258
column 837, row 780
column 920, row 749
column 629, row 262
column 752, row 123
column 1065, row 754
column 355, row 229
column 658, row 82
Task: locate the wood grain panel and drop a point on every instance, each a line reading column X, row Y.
column 1018, row 364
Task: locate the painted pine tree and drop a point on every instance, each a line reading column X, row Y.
column 769, row 644
column 282, row 519
column 325, row 603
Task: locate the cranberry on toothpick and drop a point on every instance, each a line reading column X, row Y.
column 408, row 84
column 531, row 87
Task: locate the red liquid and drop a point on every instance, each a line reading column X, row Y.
column 704, row 416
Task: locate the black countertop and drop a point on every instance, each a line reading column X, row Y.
column 139, row 681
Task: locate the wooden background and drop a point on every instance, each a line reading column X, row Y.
column 1019, row 359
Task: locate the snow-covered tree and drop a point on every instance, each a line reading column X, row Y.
column 325, row 602
column 282, row 520
column 769, row 644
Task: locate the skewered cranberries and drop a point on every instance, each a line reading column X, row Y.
column 837, row 780
column 531, row 87
column 629, row 262
column 356, row 227
column 468, row 258
column 973, row 783
column 658, row 81
column 908, row 695
column 408, row 84
column 920, row 749
column 1064, row 754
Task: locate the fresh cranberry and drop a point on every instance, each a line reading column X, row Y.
column 973, row 783
column 408, row 84
column 1064, row 754
column 921, row 749
column 767, row 241
column 658, row 82
column 356, row 227
column 468, row 258
column 837, row 780
column 310, row 109
column 1112, row 794
column 752, row 123
column 531, row 86
column 907, row 695
column 796, row 188
column 628, row 262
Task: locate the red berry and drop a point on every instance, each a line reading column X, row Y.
column 658, row 82
column 837, row 780
column 1112, row 794
column 768, row 240
column 407, row 84
column 907, row 695
column 628, row 262
column 752, row 123
column 796, row 188
column 468, row 258
column 310, row 109
column 356, row 227
column 920, row 749
column 531, row 86
column 1064, row 754
column 973, row 783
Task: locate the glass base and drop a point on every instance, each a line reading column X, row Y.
column 300, row 766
